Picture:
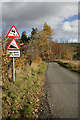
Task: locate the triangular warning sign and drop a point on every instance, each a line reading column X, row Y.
column 13, row 45
column 13, row 32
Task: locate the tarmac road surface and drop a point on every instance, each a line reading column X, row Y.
column 62, row 91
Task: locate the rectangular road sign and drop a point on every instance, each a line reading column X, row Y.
column 14, row 53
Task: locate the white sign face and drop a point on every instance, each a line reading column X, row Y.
column 14, row 53
column 13, row 32
column 13, row 45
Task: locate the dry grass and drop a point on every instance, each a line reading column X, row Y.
column 73, row 64
column 22, row 98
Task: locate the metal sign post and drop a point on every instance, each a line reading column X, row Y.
column 13, row 47
column 13, row 71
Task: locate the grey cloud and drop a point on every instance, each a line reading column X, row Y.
column 26, row 15
column 19, row 12
column 27, row 11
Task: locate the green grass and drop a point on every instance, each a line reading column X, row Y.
column 22, row 99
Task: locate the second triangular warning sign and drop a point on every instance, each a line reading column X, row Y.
column 13, row 45
column 13, row 32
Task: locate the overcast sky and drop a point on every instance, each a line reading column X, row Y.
column 61, row 16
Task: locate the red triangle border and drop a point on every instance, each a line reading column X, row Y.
column 12, row 48
column 16, row 31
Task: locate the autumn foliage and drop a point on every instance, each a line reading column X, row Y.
column 62, row 51
column 22, row 98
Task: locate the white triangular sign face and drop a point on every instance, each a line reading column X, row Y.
column 13, row 32
column 13, row 45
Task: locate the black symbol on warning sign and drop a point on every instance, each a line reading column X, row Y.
column 13, row 31
column 12, row 46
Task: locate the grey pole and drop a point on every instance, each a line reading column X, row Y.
column 13, row 71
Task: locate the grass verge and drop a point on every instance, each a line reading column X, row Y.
column 72, row 65
column 21, row 99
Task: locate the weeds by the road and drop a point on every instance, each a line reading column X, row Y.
column 72, row 64
column 22, row 99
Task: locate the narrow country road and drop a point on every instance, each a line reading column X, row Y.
column 62, row 91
